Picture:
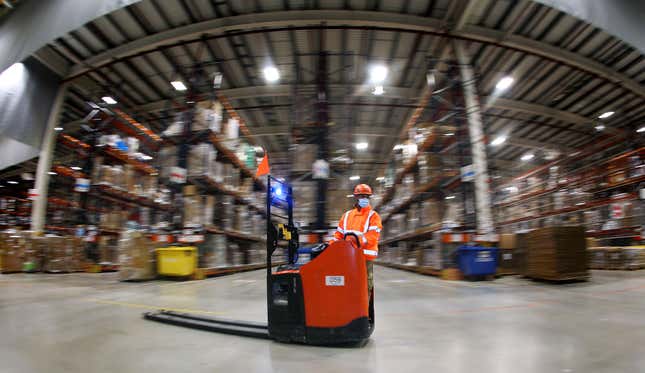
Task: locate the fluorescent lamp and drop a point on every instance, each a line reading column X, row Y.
column 527, row 157
column 12, row 182
column 450, row 197
column 271, row 74
column 52, row 173
column 511, row 189
column 108, row 100
column 498, row 141
column 640, row 130
column 58, row 128
column 178, row 85
column 380, row 178
column 606, row 114
column 504, row 83
column 349, row 196
column 355, row 177
column 450, row 134
column 378, row 73
column 378, row 90
column 600, row 127
column 361, row 145
column 76, row 168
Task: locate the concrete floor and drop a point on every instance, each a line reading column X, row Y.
column 92, row 323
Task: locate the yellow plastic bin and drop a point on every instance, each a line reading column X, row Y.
column 176, row 261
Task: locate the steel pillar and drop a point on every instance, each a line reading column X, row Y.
column 39, row 207
column 477, row 141
column 322, row 118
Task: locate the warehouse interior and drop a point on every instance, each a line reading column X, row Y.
column 170, row 162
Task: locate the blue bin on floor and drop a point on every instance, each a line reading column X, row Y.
column 477, row 260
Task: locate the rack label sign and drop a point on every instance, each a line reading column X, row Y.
column 334, row 280
column 178, row 175
column 82, row 185
column 468, row 173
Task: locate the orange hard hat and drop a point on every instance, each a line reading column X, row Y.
column 362, row 189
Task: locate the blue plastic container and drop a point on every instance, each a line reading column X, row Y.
column 477, row 260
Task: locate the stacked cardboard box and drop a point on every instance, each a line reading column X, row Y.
column 597, row 258
column 214, row 251
column 557, row 253
column 521, row 253
column 429, row 255
column 430, row 212
column 305, row 155
column 634, row 257
column 136, row 257
column 614, row 258
column 108, row 249
column 12, row 250
column 506, row 258
column 200, row 159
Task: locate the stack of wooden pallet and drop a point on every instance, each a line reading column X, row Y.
column 557, row 253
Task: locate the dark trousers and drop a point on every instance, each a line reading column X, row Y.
column 370, row 276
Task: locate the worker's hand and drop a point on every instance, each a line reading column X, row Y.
column 320, row 247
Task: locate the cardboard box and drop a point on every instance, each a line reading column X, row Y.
column 136, row 257
column 507, row 241
column 190, row 190
column 557, row 253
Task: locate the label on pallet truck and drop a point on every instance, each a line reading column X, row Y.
column 335, row 280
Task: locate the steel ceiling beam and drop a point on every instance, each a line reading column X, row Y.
column 535, row 109
column 355, row 19
column 391, row 92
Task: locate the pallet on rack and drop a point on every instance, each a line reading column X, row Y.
column 102, row 267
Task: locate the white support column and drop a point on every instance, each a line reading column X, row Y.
column 477, row 142
column 39, row 205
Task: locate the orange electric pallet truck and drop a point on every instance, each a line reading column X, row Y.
column 322, row 302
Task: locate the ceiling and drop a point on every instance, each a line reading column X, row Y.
column 566, row 72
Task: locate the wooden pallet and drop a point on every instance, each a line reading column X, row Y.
column 99, row 268
column 563, row 278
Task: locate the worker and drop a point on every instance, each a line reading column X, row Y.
column 366, row 224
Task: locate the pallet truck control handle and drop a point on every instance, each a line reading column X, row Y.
column 358, row 241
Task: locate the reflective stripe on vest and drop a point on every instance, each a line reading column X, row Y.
column 367, row 222
column 370, row 252
column 345, row 220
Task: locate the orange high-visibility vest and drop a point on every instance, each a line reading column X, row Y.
column 367, row 224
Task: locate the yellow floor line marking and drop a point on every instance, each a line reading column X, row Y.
column 149, row 306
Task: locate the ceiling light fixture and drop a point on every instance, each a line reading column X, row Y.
column 178, row 85
column 498, row 141
column 380, row 178
column 527, row 157
column 378, row 90
column 271, row 74
column 355, row 177
column 378, row 73
column 76, row 168
column 58, row 128
column 361, row 145
column 606, row 114
column 108, row 100
column 450, row 134
column 450, row 197
column 600, row 127
column 504, row 83
column 52, row 173
column 640, row 130
column 12, row 182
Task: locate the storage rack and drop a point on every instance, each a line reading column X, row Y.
column 209, row 186
column 606, row 179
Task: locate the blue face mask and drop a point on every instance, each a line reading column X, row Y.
column 363, row 202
